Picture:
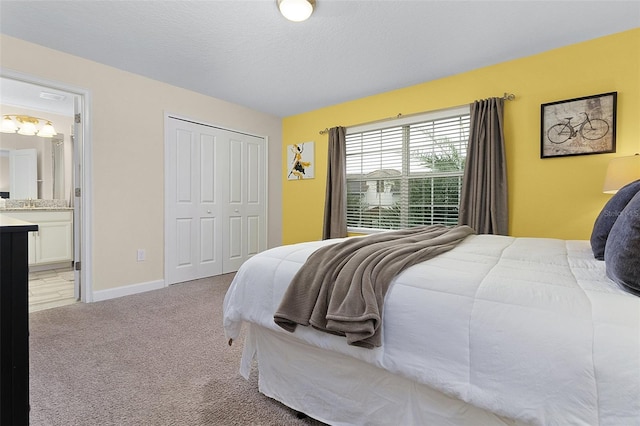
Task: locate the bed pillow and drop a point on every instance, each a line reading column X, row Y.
column 608, row 216
column 622, row 252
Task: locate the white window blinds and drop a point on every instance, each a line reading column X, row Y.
column 406, row 174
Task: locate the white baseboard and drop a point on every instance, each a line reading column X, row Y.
column 127, row 290
column 48, row 266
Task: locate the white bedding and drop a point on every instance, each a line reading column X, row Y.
column 530, row 329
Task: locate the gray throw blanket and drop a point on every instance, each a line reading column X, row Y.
column 340, row 289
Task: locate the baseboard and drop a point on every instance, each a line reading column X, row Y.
column 48, row 266
column 127, row 290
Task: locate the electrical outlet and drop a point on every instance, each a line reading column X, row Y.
column 141, row 255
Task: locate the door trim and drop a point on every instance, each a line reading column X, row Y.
column 167, row 116
column 82, row 205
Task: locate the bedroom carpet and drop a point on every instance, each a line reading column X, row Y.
column 156, row 358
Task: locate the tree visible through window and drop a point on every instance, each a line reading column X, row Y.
column 407, row 175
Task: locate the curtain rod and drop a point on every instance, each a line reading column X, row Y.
column 505, row 97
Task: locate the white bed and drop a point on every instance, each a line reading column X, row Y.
column 499, row 330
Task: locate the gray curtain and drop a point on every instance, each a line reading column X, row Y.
column 483, row 197
column 335, row 206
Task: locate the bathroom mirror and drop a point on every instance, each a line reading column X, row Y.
column 54, row 162
column 51, row 166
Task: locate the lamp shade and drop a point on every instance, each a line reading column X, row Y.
column 621, row 171
column 27, row 128
column 47, row 131
column 296, row 10
column 8, row 125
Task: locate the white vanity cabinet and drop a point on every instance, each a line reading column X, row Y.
column 53, row 242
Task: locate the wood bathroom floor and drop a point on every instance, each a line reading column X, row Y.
column 50, row 289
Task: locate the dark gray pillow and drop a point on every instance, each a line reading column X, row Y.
column 622, row 252
column 608, row 216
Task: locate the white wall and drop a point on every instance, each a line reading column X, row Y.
column 128, row 155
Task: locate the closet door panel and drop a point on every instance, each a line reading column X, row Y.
column 192, row 209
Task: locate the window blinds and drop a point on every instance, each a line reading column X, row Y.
column 406, row 175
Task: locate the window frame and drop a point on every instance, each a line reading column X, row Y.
column 400, row 122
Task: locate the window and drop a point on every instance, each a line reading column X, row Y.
column 408, row 173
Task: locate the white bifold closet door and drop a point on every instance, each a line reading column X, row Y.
column 215, row 202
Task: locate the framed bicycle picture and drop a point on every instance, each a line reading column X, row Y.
column 579, row 126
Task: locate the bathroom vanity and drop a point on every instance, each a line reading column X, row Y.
column 53, row 241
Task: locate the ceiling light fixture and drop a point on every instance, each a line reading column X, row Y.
column 296, row 10
column 26, row 125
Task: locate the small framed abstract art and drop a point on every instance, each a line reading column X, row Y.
column 579, row 126
column 301, row 161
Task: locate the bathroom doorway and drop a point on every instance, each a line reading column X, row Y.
column 58, row 275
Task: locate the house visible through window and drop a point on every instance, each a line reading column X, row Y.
column 407, row 173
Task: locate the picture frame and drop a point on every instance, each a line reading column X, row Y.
column 579, row 126
column 301, row 161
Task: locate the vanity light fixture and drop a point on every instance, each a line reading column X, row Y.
column 296, row 10
column 26, row 125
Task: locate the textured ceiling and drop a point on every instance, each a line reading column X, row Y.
column 245, row 52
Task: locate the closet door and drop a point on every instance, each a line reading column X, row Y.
column 214, row 200
column 244, row 233
column 193, row 217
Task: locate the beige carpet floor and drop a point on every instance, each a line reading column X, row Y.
column 156, row 358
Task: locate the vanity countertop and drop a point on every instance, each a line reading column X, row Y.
column 37, row 209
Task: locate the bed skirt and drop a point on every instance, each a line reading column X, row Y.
column 340, row 390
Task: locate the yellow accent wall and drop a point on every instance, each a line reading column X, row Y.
column 554, row 197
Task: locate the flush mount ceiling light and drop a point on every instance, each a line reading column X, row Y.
column 296, row 10
column 26, row 125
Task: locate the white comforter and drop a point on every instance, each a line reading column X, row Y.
column 531, row 329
